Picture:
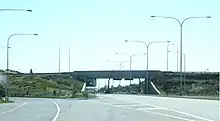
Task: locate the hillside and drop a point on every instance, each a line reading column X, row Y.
column 195, row 85
column 42, row 86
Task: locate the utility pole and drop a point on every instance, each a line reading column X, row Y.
column 59, row 61
column 69, row 63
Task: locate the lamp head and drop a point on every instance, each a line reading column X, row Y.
column 29, row 10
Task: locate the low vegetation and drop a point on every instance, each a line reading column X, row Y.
column 191, row 87
column 36, row 86
column 42, row 86
column 172, row 87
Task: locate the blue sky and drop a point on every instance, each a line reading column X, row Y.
column 96, row 29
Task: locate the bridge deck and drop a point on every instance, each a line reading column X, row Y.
column 116, row 74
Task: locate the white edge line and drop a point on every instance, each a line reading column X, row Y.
column 13, row 108
column 184, row 113
column 58, row 111
column 171, row 116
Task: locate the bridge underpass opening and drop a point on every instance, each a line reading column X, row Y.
column 103, row 82
column 137, row 86
column 104, row 75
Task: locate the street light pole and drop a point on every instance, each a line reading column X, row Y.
column 177, row 60
column 147, row 46
column 120, row 63
column 59, row 61
column 14, row 34
column 181, row 28
column 184, row 58
column 7, row 70
column 9, row 47
column 168, row 56
column 184, row 81
column 130, row 61
column 130, row 57
column 120, row 66
column 69, row 62
column 16, row 10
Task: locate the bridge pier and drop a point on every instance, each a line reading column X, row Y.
column 146, row 86
column 139, row 85
column 108, row 86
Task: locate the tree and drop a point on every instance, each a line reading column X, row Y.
column 2, row 91
column 54, row 93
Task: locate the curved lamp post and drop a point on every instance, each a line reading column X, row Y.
column 9, row 47
column 130, row 59
column 120, row 66
column 184, row 58
column 16, row 10
column 8, row 51
column 168, row 56
column 120, row 63
column 181, row 28
column 147, row 47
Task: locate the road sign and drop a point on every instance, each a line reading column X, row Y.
column 90, row 82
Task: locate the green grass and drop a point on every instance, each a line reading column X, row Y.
column 1, row 101
column 43, row 86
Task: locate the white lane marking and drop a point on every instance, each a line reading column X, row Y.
column 176, row 98
column 149, row 108
column 128, row 102
column 13, row 108
column 130, row 105
column 191, row 115
column 58, row 111
column 171, row 116
column 184, row 113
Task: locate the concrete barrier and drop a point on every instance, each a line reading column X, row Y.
column 154, row 87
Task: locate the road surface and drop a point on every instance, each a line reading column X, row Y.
column 111, row 108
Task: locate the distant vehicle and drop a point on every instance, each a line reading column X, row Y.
column 107, row 92
column 133, row 92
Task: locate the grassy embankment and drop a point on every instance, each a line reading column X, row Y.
column 44, row 86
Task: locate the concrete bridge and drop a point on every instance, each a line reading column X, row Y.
column 112, row 74
column 117, row 74
column 122, row 74
column 126, row 74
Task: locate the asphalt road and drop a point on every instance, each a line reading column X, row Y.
column 111, row 108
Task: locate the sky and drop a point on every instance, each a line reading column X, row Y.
column 95, row 30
